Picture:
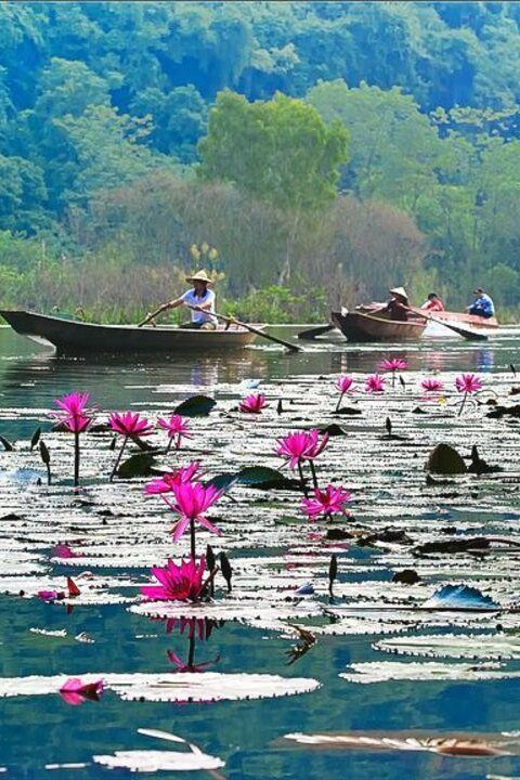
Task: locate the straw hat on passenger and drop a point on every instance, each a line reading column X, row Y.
column 399, row 291
column 200, row 276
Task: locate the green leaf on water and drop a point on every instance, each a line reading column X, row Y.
column 265, row 478
column 8, row 446
column 196, row 406
column 138, row 465
column 44, row 453
column 36, row 437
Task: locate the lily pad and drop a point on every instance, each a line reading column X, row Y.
column 196, row 406
column 155, row 760
column 265, row 478
column 138, row 465
column 474, row 646
column 387, row 671
column 445, row 459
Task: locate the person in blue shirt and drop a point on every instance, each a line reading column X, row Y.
column 483, row 305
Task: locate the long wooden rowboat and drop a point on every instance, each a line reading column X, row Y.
column 73, row 337
column 358, row 326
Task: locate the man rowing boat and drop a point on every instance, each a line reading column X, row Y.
column 201, row 301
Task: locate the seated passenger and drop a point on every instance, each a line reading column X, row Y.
column 483, row 305
column 433, row 303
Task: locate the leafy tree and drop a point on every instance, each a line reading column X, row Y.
column 280, row 151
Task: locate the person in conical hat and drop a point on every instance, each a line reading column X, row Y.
column 398, row 306
column 201, row 301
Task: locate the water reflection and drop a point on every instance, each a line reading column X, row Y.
column 194, row 629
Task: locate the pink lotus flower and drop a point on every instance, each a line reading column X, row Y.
column 167, row 482
column 177, row 583
column 432, row 385
column 393, row 364
column 130, row 425
column 375, row 384
column 72, row 414
column 468, row 383
column 344, row 384
column 253, row 404
column 176, row 427
column 192, row 499
column 326, row 502
column 300, row 446
column 74, row 691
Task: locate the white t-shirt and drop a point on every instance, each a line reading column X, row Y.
column 190, row 299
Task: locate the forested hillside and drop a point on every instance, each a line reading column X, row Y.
column 290, row 147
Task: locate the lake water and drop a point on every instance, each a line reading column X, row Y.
column 41, row 735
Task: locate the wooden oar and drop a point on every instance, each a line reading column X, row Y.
column 312, row 333
column 230, row 321
column 470, row 335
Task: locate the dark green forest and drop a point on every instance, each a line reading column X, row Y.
column 306, row 153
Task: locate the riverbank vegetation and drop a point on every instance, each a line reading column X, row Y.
column 326, row 151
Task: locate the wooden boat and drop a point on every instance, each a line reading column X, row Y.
column 361, row 326
column 74, row 337
column 472, row 322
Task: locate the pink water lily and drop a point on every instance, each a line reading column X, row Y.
column 51, row 595
column 167, row 482
column 393, row 364
column 74, row 691
column 253, row 404
column 432, row 385
column 467, row 384
column 130, row 425
column 375, row 384
column 64, row 551
column 177, row 583
column 345, row 385
column 326, row 502
column 191, row 501
column 177, row 428
column 301, row 445
column 73, row 414
column 73, row 417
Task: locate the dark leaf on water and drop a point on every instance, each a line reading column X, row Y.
column 44, row 453
column 279, row 407
column 210, row 558
column 388, row 536
column 333, row 430
column 100, row 428
column 513, row 369
column 113, row 443
column 446, row 460
column 196, row 406
column 333, row 571
column 406, row 577
column 139, row 465
column 402, row 382
column 7, row 445
column 514, row 390
column 388, row 425
column 479, row 466
column 500, row 411
column 227, row 571
column 265, row 478
column 348, row 410
column 35, row 437
column 223, row 481
column 460, row 597
column 476, row 543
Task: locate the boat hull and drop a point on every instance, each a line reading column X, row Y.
column 487, row 326
column 75, row 338
column 362, row 327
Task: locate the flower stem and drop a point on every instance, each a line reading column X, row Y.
column 118, row 461
column 314, row 477
column 192, row 537
column 191, row 651
column 76, row 459
column 393, row 379
column 302, row 480
column 462, row 404
column 339, row 402
column 168, row 448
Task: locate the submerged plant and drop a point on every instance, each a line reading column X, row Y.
column 177, row 583
column 467, row 384
column 253, row 404
column 344, row 384
column 74, row 417
column 326, row 502
column 131, row 426
column 74, row 691
column 176, row 427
